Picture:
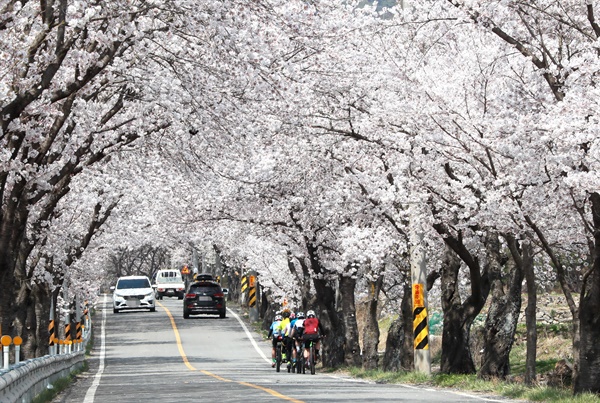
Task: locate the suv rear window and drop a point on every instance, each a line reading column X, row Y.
column 133, row 283
column 204, row 287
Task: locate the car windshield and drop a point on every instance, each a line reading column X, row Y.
column 133, row 283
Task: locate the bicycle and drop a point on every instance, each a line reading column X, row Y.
column 310, row 345
column 299, row 367
column 278, row 357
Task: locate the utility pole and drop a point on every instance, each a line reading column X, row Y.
column 422, row 355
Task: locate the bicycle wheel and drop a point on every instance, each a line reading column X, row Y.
column 300, row 361
column 278, row 357
column 311, row 357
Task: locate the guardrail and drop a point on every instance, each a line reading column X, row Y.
column 22, row 381
column 27, row 379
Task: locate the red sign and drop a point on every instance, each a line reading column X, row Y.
column 418, row 296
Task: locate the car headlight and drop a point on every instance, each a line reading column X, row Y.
column 148, row 295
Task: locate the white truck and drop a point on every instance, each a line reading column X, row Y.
column 169, row 283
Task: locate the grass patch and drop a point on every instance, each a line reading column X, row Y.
column 465, row 382
column 90, row 343
column 59, row 385
column 379, row 376
column 474, row 384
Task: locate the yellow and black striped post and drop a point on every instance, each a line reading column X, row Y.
column 253, row 313
column 78, row 334
column 51, row 333
column 420, row 328
column 244, row 283
column 68, row 331
column 52, row 339
column 252, row 292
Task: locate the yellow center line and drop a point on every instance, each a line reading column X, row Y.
column 192, row 368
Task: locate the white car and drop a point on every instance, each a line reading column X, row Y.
column 133, row 292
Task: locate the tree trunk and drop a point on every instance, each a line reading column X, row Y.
column 503, row 315
column 266, row 311
column 352, row 346
column 334, row 345
column 43, row 302
column 370, row 353
column 524, row 260
column 587, row 378
column 458, row 317
column 530, row 315
column 399, row 351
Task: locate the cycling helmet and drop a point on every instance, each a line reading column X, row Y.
column 311, row 314
column 300, row 315
column 278, row 318
column 286, row 313
column 292, row 315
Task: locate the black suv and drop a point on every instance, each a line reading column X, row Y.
column 204, row 297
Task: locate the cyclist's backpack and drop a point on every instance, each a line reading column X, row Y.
column 311, row 326
column 299, row 326
column 276, row 330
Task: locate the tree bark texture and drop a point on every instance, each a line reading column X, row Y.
column 399, row 351
column 458, row 316
column 523, row 258
column 334, row 344
column 587, row 378
column 352, row 346
column 370, row 353
column 503, row 314
column 530, row 315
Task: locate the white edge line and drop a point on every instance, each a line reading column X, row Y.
column 89, row 396
column 268, row 360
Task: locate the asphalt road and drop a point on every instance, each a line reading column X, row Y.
column 140, row 356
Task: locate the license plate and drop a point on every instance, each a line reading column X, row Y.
column 204, row 298
column 133, row 303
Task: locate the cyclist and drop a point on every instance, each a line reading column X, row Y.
column 283, row 325
column 275, row 332
column 313, row 331
column 290, row 351
column 296, row 334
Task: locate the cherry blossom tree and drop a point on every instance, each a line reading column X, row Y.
column 295, row 137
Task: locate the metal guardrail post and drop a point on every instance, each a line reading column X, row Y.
column 17, row 341
column 6, row 342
